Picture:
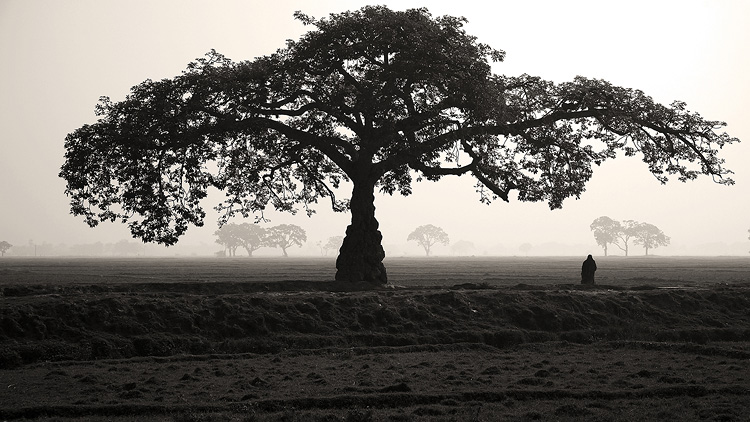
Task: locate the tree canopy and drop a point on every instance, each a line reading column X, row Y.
column 608, row 231
column 376, row 98
column 428, row 235
column 285, row 236
column 232, row 235
column 649, row 236
column 605, row 231
column 4, row 246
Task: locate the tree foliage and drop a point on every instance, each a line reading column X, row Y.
column 649, row 236
column 228, row 236
column 250, row 237
column 428, row 235
column 605, row 231
column 4, row 246
column 285, row 236
column 376, row 98
column 462, row 248
column 608, row 231
column 333, row 243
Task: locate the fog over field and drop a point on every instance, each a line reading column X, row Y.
column 60, row 57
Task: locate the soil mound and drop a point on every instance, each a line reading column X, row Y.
column 88, row 322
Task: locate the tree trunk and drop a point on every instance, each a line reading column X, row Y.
column 361, row 255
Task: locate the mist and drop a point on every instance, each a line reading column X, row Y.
column 63, row 56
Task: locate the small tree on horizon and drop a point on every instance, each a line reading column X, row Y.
column 4, row 246
column 252, row 237
column 285, row 236
column 462, row 247
column 333, row 244
column 649, row 236
column 227, row 236
column 605, row 231
column 525, row 248
column 428, row 235
column 623, row 236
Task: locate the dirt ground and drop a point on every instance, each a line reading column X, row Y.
column 141, row 346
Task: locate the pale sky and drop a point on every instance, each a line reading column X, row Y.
column 60, row 56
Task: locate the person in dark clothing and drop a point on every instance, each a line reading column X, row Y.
column 587, row 270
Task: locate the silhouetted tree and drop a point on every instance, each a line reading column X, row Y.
column 374, row 97
column 4, row 246
column 285, row 236
column 649, row 236
column 605, row 231
column 428, row 235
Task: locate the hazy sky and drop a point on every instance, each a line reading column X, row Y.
column 60, row 56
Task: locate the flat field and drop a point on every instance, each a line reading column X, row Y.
column 451, row 339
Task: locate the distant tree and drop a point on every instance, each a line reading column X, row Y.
column 126, row 247
column 232, row 236
column 333, row 244
column 525, row 248
column 462, row 247
column 427, row 236
column 375, row 97
column 623, row 236
column 4, row 246
column 605, row 231
column 227, row 236
column 649, row 236
column 285, row 236
column 251, row 236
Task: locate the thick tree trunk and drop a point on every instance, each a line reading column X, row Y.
column 361, row 255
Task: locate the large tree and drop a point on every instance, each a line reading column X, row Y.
column 376, row 98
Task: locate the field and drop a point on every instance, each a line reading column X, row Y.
column 450, row 339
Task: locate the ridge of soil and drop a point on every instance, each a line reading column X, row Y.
column 325, row 351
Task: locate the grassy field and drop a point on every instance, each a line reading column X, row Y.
column 449, row 339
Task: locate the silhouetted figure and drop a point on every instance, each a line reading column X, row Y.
column 587, row 270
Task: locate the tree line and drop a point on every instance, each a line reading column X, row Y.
column 612, row 232
column 252, row 237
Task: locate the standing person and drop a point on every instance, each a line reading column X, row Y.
column 587, row 270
